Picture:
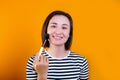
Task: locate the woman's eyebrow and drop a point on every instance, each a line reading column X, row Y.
column 62, row 24
column 53, row 23
column 65, row 24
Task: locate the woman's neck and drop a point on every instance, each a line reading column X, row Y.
column 58, row 51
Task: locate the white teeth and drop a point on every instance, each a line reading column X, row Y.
column 57, row 37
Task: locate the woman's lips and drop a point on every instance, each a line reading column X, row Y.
column 57, row 37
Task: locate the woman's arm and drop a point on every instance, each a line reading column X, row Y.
column 30, row 71
column 84, row 70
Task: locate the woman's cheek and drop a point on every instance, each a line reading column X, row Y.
column 49, row 31
column 66, row 33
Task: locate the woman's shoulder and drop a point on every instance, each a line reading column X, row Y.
column 77, row 55
column 80, row 58
column 31, row 58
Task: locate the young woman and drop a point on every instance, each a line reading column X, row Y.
column 57, row 62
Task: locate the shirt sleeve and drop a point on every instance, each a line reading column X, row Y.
column 84, row 70
column 30, row 72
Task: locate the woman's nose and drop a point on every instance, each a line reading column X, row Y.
column 58, row 31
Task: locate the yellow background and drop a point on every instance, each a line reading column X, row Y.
column 96, row 34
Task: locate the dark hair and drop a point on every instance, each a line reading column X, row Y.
column 45, row 26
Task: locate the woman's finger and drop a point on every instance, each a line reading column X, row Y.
column 47, row 60
column 44, row 59
column 36, row 57
column 41, row 59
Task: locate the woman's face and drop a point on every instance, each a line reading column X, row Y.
column 58, row 30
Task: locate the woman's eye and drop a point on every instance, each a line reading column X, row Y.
column 53, row 26
column 64, row 27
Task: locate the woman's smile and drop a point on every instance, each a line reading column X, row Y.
column 57, row 37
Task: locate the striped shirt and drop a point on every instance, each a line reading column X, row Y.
column 72, row 67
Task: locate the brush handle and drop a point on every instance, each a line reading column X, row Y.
column 41, row 49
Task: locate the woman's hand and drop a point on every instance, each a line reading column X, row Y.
column 41, row 67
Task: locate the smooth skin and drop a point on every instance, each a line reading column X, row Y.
column 58, row 30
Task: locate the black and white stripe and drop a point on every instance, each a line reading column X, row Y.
column 73, row 67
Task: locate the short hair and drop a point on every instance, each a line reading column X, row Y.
column 45, row 26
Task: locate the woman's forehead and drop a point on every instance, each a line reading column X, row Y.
column 59, row 19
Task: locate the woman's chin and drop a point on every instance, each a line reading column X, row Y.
column 58, row 44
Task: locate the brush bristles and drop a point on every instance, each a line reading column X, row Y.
column 46, row 36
